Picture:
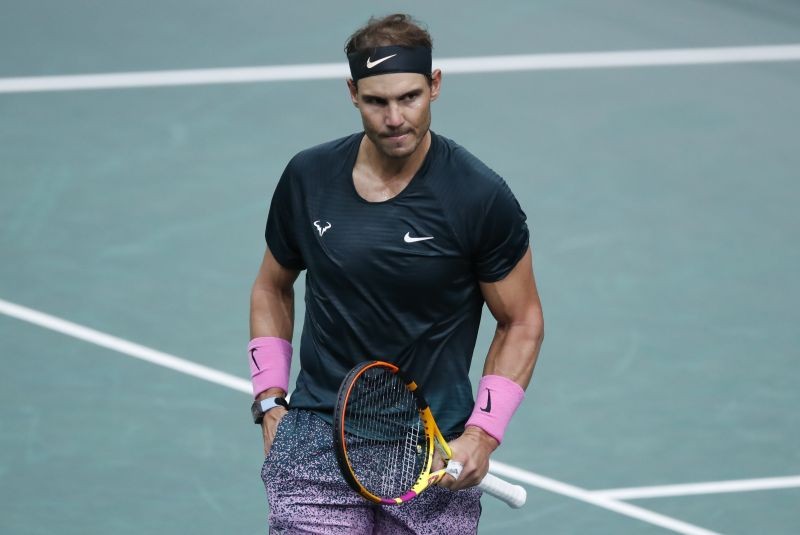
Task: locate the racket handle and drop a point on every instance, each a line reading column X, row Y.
column 513, row 495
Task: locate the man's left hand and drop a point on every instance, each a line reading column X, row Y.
column 472, row 450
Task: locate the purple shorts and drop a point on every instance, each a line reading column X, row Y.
column 307, row 493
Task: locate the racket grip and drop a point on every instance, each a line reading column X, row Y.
column 514, row 495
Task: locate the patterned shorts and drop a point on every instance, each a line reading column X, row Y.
column 307, row 493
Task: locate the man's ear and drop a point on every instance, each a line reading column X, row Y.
column 352, row 87
column 436, row 84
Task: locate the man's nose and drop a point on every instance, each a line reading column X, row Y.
column 393, row 116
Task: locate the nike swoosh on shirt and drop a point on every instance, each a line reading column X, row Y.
column 371, row 64
column 409, row 239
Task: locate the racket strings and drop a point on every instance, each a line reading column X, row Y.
column 385, row 439
column 409, row 471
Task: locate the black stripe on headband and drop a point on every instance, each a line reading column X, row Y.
column 389, row 59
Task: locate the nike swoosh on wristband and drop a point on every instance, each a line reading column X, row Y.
column 488, row 407
column 408, row 239
column 371, row 64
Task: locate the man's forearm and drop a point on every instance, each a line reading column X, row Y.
column 506, row 374
column 272, row 316
column 514, row 350
column 272, row 313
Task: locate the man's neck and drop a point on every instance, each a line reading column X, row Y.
column 389, row 169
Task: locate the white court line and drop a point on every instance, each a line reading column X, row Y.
column 123, row 346
column 558, row 487
column 710, row 487
column 209, row 374
column 480, row 64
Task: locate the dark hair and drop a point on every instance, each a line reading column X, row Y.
column 393, row 30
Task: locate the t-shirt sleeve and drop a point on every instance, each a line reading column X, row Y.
column 502, row 236
column 281, row 229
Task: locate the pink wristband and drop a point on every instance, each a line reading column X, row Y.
column 270, row 360
column 497, row 401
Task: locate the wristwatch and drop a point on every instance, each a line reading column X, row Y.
column 260, row 408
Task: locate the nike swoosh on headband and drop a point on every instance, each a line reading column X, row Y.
column 371, row 64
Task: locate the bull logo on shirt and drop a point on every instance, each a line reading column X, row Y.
column 320, row 228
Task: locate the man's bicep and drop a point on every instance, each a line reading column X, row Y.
column 514, row 299
column 514, row 303
column 272, row 300
column 272, row 275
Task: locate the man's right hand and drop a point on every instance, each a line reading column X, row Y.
column 270, row 425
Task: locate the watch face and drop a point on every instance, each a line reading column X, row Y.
column 255, row 408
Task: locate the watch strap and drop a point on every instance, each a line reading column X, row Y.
column 270, row 403
column 261, row 407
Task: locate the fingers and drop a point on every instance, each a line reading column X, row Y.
column 468, row 464
column 454, row 469
column 459, row 476
column 269, row 427
column 466, row 478
column 268, row 438
column 438, row 461
column 452, row 476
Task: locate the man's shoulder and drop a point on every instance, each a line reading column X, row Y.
column 325, row 155
column 461, row 168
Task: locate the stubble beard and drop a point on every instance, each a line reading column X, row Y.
column 388, row 150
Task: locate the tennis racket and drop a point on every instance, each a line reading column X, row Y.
column 385, row 436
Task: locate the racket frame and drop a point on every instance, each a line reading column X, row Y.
column 433, row 436
column 514, row 495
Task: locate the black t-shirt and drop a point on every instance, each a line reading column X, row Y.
column 394, row 280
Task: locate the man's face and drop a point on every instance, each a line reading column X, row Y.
column 396, row 110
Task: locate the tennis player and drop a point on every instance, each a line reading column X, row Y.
column 404, row 235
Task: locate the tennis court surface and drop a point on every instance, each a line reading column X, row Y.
column 653, row 145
